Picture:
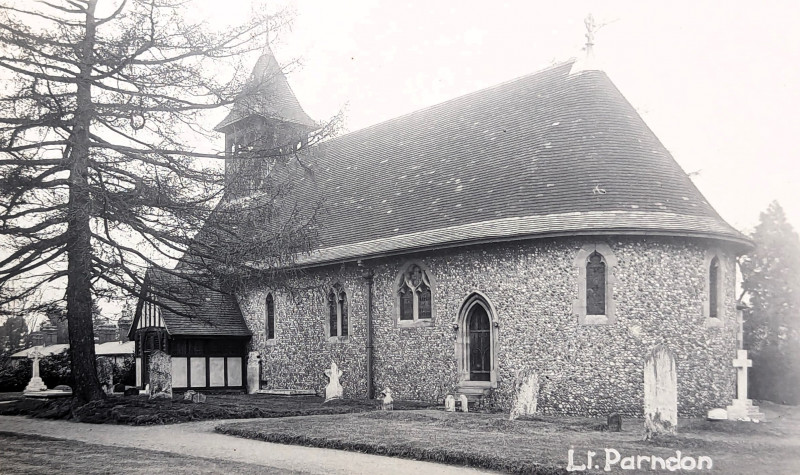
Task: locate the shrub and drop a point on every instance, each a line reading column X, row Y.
column 125, row 373
column 14, row 374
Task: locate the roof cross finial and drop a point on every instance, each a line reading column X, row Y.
column 591, row 28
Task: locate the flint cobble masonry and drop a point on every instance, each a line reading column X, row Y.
column 659, row 292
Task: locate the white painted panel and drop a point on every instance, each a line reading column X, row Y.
column 198, row 372
column 216, row 375
column 138, row 372
column 179, row 372
column 234, row 371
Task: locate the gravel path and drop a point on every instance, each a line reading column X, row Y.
column 199, row 439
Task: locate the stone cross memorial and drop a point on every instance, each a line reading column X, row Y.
column 660, row 393
column 526, row 395
column 36, row 383
column 160, row 375
column 334, row 389
column 742, row 409
column 388, row 402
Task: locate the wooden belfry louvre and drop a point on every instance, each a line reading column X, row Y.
column 201, row 329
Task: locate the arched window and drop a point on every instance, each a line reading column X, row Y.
column 594, row 304
column 414, row 295
column 713, row 288
column 337, row 312
column 596, row 285
column 270, row 324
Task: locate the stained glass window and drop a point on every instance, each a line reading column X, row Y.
column 343, row 311
column 596, row 285
column 333, row 312
column 713, row 288
column 406, row 303
column 424, row 296
column 270, row 327
column 414, row 295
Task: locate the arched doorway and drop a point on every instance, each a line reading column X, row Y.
column 476, row 344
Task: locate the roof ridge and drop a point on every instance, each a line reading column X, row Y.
column 456, row 98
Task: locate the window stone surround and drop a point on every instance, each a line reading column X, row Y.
column 431, row 279
column 579, row 304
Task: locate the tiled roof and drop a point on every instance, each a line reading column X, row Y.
column 546, row 154
column 267, row 95
column 195, row 310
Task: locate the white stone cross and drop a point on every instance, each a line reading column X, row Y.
column 36, row 383
column 334, row 389
column 35, row 355
column 742, row 363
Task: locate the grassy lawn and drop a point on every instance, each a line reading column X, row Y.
column 538, row 445
column 23, row 454
column 139, row 410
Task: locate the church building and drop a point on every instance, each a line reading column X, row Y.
column 536, row 225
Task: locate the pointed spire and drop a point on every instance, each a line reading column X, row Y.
column 267, row 94
column 587, row 62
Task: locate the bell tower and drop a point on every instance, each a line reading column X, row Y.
column 266, row 125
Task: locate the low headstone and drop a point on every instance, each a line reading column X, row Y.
column 198, row 398
column 388, row 403
column 334, row 389
column 660, row 393
column 253, row 372
column 526, row 395
column 36, row 383
column 717, row 414
column 62, row 387
column 187, row 396
column 131, row 392
column 119, row 388
column 160, row 375
column 614, row 423
column 450, row 403
column 464, row 403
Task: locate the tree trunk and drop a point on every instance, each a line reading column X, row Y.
column 79, row 245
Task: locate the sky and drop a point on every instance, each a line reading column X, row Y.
column 716, row 81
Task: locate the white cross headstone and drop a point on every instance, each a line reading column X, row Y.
column 334, row 389
column 742, row 408
column 36, row 383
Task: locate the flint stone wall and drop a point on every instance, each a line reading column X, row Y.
column 585, row 369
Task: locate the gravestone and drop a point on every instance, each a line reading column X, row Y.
column 253, row 372
column 334, row 389
column 660, row 393
column 614, row 422
column 131, row 392
column 450, row 403
column 105, row 374
column 388, row 403
column 526, row 395
column 717, row 414
column 63, row 387
column 36, row 383
column 187, row 396
column 160, row 375
column 198, row 398
column 464, row 403
column 742, row 409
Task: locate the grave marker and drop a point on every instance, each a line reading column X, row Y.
column 334, row 389
column 450, row 403
column 660, row 393
column 160, row 375
column 36, row 383
column 526, row 395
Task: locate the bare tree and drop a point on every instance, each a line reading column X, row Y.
column 100, row 173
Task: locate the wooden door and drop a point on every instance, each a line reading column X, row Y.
column 480, row 364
